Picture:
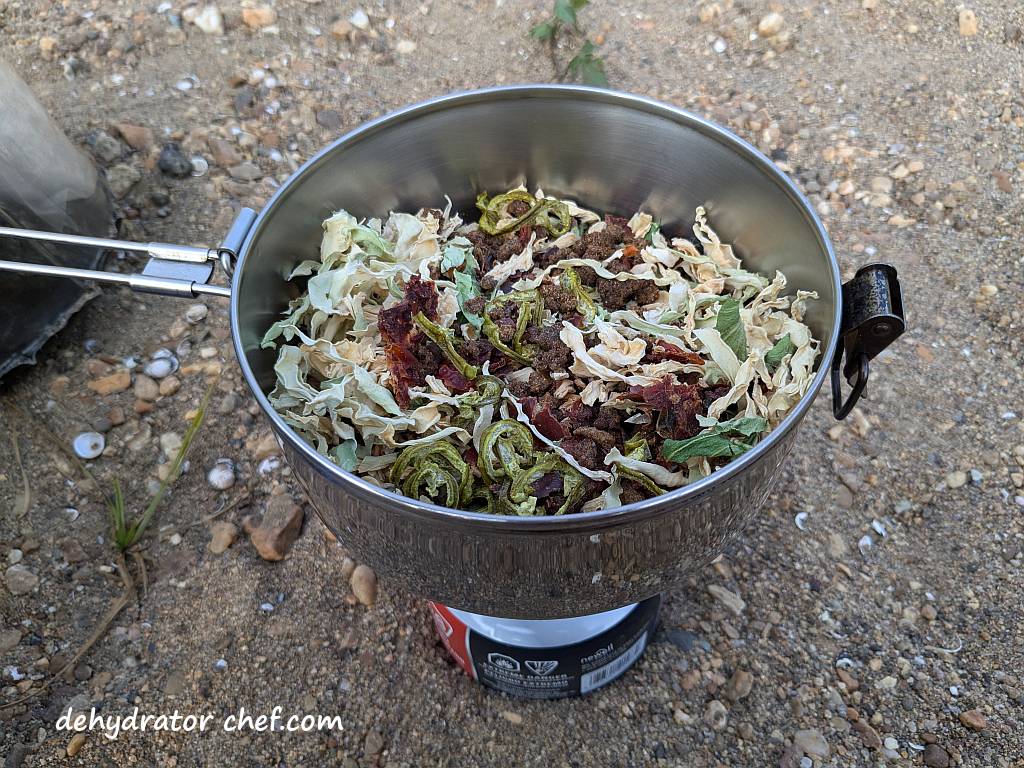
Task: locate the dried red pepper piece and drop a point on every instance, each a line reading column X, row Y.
column 677, row 406
column 396, row 323
column 405, row 370
column 397, row 328
column 454, row 380
column 662, row 351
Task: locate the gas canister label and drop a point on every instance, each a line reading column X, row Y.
column 553, row 672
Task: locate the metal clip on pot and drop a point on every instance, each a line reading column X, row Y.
column 872, row 320
column 172, row 270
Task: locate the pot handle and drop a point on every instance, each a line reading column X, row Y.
column 872, row 320
column 172, row 270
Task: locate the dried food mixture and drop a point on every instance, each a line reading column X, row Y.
column 541, row 360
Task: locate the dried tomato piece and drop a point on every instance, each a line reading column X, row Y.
column 396, row 324
column 548, row 484
column 524, row 236
column 547, row 424
column 662, row 351
column 396, row 327
column 542, row 418
column 454, row 380
column 677, row 406
column 405, row 370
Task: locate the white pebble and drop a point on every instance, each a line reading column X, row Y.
column 161, row 367
column 865, row 544
column 359, row 19
column 719, row 46
column 891, row 743
column 209, row 20
column 196, row 313
column 14, row 556
column 175, row 539
column 801, row 520
column 170, row 444
column 89, row 445
column 222, row 475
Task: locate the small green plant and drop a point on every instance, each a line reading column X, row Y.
column 585, row 66
column 127, row 532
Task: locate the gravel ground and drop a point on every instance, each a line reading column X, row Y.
column 888, row 629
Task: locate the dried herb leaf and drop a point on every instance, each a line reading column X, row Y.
column 730, row 328
column 774, row 357
column 725, row 439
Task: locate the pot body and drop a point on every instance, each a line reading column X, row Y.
column 613, row 153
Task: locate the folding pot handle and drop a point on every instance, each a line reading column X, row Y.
column 872, row 320
column 172, row 270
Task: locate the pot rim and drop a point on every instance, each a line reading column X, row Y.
column 635, row 512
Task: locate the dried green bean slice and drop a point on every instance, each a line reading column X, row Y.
column 445, row 339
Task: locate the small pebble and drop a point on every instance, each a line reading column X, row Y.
column 220, row 665
column 739, row 685
column 968, row 22
column 770, row 25
column 956, row 479
column 259, row 17
column 89, row 445
column 161, row 367
column 196, row 313
column 716, row 715
column 222, row 536
column 935, row 756
column 76, row 744
column 170, row 386
column 209, row 20
column 146, row 389
column 974, row 719
column 20, row 580
column 730, row 600
column 359, row 19
column 172, row 161
column 812, row 742
column 199, row 165
column 170, row 444
column 222, row 475
column 364, row 584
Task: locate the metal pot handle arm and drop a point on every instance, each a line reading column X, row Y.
column 872, row 320
column 172, row 270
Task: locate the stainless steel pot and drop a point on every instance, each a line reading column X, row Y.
column 614, row 152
